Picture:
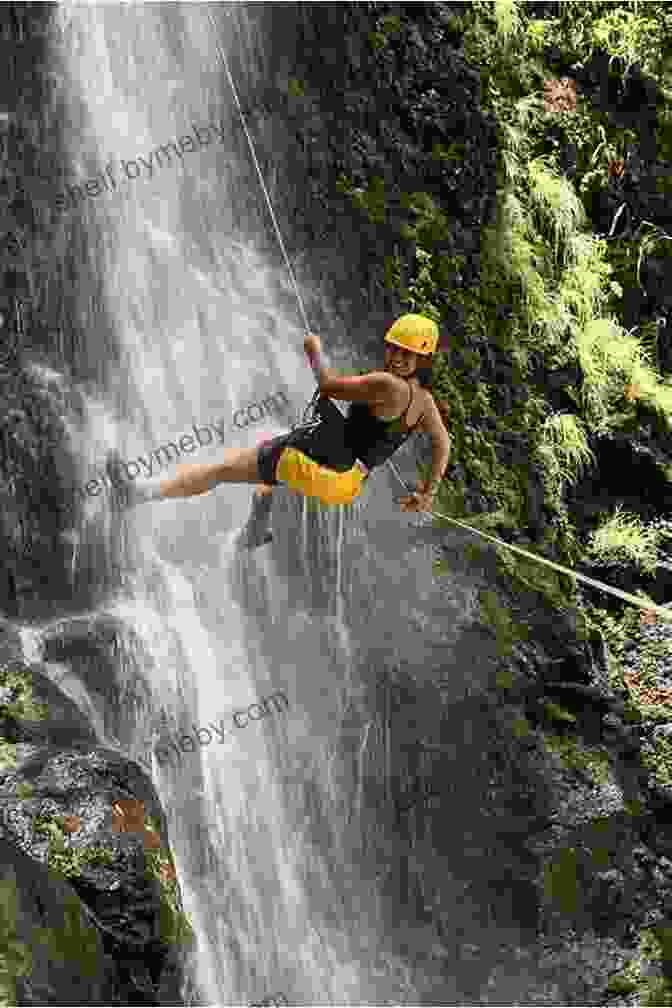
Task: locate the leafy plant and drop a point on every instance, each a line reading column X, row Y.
column 623, row 540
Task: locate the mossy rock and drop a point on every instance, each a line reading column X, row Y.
column 174, row 924
column 554, row 712
column 621, row 984
column 575, row 757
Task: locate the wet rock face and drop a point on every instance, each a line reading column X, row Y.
column 48, row 941
column 70, row 824
column 72, row 810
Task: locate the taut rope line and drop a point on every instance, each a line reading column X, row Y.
column 600, row 585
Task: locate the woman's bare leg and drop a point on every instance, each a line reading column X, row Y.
column 263, row 489
column 237, row 466
column 256, row 532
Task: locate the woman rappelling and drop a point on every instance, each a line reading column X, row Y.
column 331, row 458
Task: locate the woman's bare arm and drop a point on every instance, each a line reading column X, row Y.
column 432, row 424
column 377, row 387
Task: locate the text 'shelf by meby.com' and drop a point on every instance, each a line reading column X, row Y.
column 118, row 472
column 119, row 171
column 216, row 732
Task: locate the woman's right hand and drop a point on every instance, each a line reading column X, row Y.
column 312, row 344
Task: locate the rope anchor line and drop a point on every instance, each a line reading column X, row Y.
column 639, row 603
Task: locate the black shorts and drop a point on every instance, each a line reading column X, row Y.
column 319, row 444
column 268, row 457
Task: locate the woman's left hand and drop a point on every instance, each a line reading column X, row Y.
column 312, row 345
column 420, row 500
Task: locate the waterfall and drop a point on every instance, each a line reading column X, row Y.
column 266, row 824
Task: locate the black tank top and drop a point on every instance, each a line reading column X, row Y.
column 372, row 439
column 337, row 441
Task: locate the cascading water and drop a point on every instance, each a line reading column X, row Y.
column 266, row 825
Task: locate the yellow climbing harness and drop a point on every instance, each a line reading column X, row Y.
column 663, row 612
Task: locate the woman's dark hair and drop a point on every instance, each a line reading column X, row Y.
column 424, row 372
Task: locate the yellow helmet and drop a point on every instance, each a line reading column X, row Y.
column 414, row 332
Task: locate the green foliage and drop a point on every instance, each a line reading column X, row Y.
column 620, row 984
column 174, row 924
column 651, row 990
column 560, row 881
column 386, row 26
column 429, row 225
column 537, row 31
column 610, row 358
column 553, row 201
column 371, row 199
column 530, row 575
column 624, row 540
column 507, row 18
column 295, row 88
column 390, row 24
column 7, row 755
column 624, row 33
column 593, row 761
column 22, row 707
column 73, row 941
column 15, row 955
column 495, row 615
column 520, row 727
column 554, row 712
column 660, row 761
column 537, row 256
column 453, row 152
column 421, row 288
column 68, row 861
column 563, row 450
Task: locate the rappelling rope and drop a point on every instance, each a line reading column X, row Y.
column 626, row 596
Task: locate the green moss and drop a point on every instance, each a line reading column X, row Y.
column 560, row 881
column 575, row 756
column 654, row 943
column 22, row 707
column 495, row 615
column 7, row 755
column 390, row 24
column 617, row 632
column 64, row 861
column 621, row 984
column 504, row 678
column 15, row 955
column 174, row 924
column 556, row 713
column 520, row 727
column 295, row 88
column 529, row 575
column 73, row 941
column 660, row 761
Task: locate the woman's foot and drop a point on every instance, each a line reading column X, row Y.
column 256, row 531
column 123, row 493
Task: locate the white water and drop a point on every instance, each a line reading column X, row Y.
column 262, row 827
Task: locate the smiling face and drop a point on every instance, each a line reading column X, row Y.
column 400, row 361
